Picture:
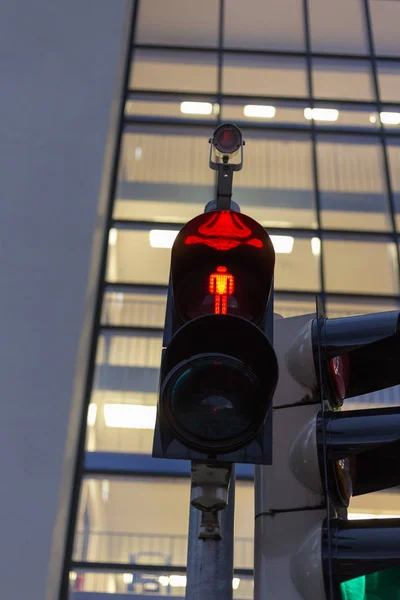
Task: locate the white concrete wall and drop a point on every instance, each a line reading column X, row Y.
column 60, row 66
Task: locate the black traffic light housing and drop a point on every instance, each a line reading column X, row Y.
column 219, row 370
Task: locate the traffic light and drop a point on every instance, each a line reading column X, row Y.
column 349, row 560
column 218, row 370
column 334, row 455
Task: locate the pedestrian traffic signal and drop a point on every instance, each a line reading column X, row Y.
column 219, row 369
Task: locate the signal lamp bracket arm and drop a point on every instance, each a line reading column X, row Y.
column 224, row 186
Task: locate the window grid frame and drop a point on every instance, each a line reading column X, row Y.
column 312, row 128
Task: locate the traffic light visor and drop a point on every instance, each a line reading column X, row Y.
column 359, row 354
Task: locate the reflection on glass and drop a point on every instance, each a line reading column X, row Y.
column 174, row 70
column 164, row 177
column 338, row 26
column 121, row 413
column 293, row 305
column 393, row 152
column 264, row 75
column 178, row 22
column 389, row 81
column 124, row 419
column 276, row 185
column 130, row 524
column 352, row 183
column 133, row 308
column 358, row 266
column 136, row 261
column 264, row 25
column 167, row 178
column 385, row 17
column 344, row 79
column 298, row 270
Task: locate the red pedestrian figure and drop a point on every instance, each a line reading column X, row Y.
column 221, row 285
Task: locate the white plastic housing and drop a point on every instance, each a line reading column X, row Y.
column 303, row 456
column 306, row 567
column 277, row 486
column 300, row 358
column 293, row 348
column 285, row 571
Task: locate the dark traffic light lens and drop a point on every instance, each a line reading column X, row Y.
column 227, row 139
column 213, row 401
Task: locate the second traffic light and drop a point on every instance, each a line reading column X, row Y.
column 340, row 454
column 219, row 370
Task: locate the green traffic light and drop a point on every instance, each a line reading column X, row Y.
column 381, row 585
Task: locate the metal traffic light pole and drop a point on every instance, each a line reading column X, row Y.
column 215, row 392
column 210, row 540
column 212, row 493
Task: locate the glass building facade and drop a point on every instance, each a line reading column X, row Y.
column 315, row 87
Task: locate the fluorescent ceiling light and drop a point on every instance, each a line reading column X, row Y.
column 105, row 490
column 196, row 108
column 235, row 583
column 180, row 581
column 321, row 114
column 316, row 246
column 127, row 577
column 390, row 118
column 130, row 416
column 283, row 244
column 112, row 237
column 162, row 239
column 357, row 516
column 92, row 413
column 259, row 111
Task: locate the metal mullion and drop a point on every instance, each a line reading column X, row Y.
column 79, row 466
column 314, row 143
column 260, row 52
column 323, row 295
column 220, row 55
column 128, row 567
column 282, row 292
column 151, row 288
column 133, row 225
column 130, row 330
column 169, row 93
column 289, row 99
column 132, row 121
column 382, row 132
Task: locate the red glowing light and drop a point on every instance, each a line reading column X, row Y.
column 221, row 284
column 339, row 367
column 224, row 230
